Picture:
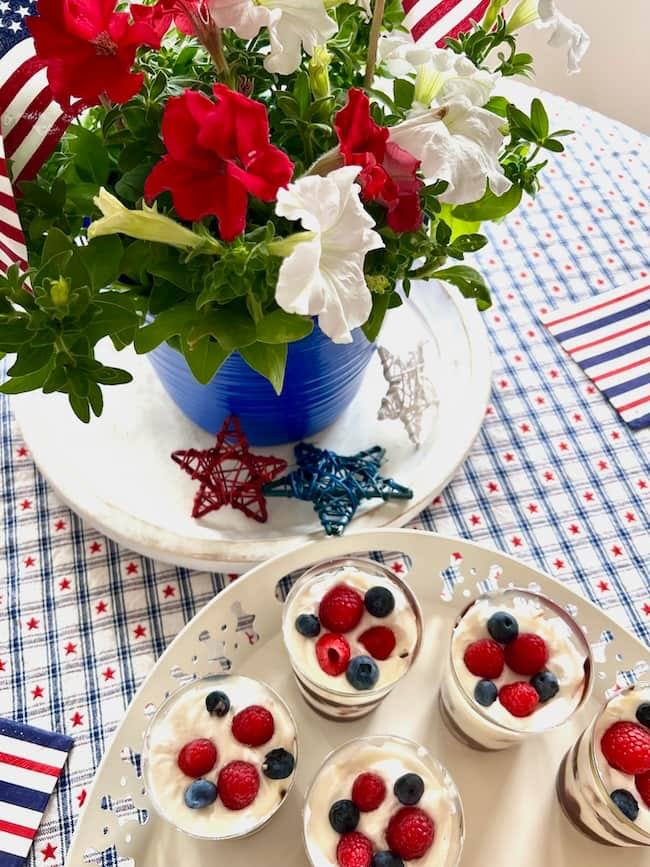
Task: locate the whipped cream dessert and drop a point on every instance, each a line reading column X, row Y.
column 604, row 781
column 377, row 787
column 352, row 630
column 220, row 756
column 518, row 665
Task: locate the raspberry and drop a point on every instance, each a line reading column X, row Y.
column 368, row 792
column 410, row 833
column 643, row 787
column 520, row 699
column 341, row 609
column 197, row 757
column 379, row 641
column 354, row 850
column 484, row 658
column 253, row 726
column 626, row 746
column 332, row 653
column 237, row 785
column 527, row 654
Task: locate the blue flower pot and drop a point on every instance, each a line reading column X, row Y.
column 321, row 379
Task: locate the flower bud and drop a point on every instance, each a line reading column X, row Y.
column 319, row 79
column 525, row 13
column 60, row 291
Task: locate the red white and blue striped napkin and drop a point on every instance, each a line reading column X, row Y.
column 31, row 761
column 608, row 335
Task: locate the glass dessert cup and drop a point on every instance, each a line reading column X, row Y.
column 391, row 758
column 334, row 696
column 493, row 727
column 184, row 717
column 585, row 781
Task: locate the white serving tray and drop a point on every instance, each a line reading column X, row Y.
column 513, row 819
column 117, row 473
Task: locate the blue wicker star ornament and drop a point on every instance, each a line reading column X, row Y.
column 336, row 484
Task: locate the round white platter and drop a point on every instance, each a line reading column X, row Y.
column 116, row 472
column 512, row 816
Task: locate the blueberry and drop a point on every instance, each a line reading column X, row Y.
column 626, row 803
column 545, row 685
column 362, row 672
column 643, row 713
column 485, row 693
column 199, row 794
column 217, row 703
column 386, row 859
column 503, row 627
column 408, row 789
column 308, row 625
column 344, row 816
column 278, row 764
column 379, row 602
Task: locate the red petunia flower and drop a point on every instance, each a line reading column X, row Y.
column 388, row 172
column 184, row 12
column 217, row 153
column 89, row 48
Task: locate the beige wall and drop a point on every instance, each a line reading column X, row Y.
column 615, row 74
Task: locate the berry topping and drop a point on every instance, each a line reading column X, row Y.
column 520, row 698
column 485, row 692
column 308, row 625
column 332, row 653
column 341, row 608
column 278, row 764
column 368, row 792
column 626, row 803
column 545, row 685
column 484, row 658
column 410, row 833
column 379, row 641
column 379, row 602
column 238, row 785
column 386, row 858
column 197, row 757
column 200, row 794
column 626, row 746
column 344, row 816
column 643, row 714
column 217, row 703
column 354, row 850
column 408, row 789
column 503, row 627
column 362, row 672
column 253, row 726
column 643, row 787
column 527, row 654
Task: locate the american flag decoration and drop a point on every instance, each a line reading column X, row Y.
column 434, row 20
column 609, row 337
column 31, row 761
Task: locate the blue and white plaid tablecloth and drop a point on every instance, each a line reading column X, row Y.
column 554, row 478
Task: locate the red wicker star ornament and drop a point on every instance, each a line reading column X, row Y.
column 229, row 474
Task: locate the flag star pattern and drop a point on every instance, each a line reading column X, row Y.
column 73, row 569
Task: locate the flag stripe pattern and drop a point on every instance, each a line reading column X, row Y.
column 31, row 761
column 610, row 339
column 434, row 20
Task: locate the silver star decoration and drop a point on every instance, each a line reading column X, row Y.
column 410, row 394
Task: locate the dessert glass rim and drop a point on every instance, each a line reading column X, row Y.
column 595, row 765
column 185, row 687
column 358, row 562
column 414, row 745
column 566, row 617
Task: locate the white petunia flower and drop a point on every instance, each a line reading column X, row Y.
column 448, row 75
column 322, row 275
column 243, row 16
column 400, row 53
column 458, row 143
column 564, row 31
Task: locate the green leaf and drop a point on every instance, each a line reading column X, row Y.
column 497, row 105
column 14, row 333
column 268, row 359
column 282, row 327
column 458, row 227
column 96, row 398
column 489, row 207
column 102, row 260
column 130, row 185
column 469, row 281
column 112, row 314
column 204, row 358
column 30, row 359
column 231, row 326
column 380, row 304
column 55, row 243
column 552, row 144
column 403, row 92
column 539, row 118
column 111, row 375
column 29, row 382
column 91, row 159
column 470, row 243
column 443, row 233
column 81, row 407
column 174, row 320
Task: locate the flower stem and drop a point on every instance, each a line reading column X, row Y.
column 373, row 41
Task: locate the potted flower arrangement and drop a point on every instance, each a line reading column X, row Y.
column 250, row 186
